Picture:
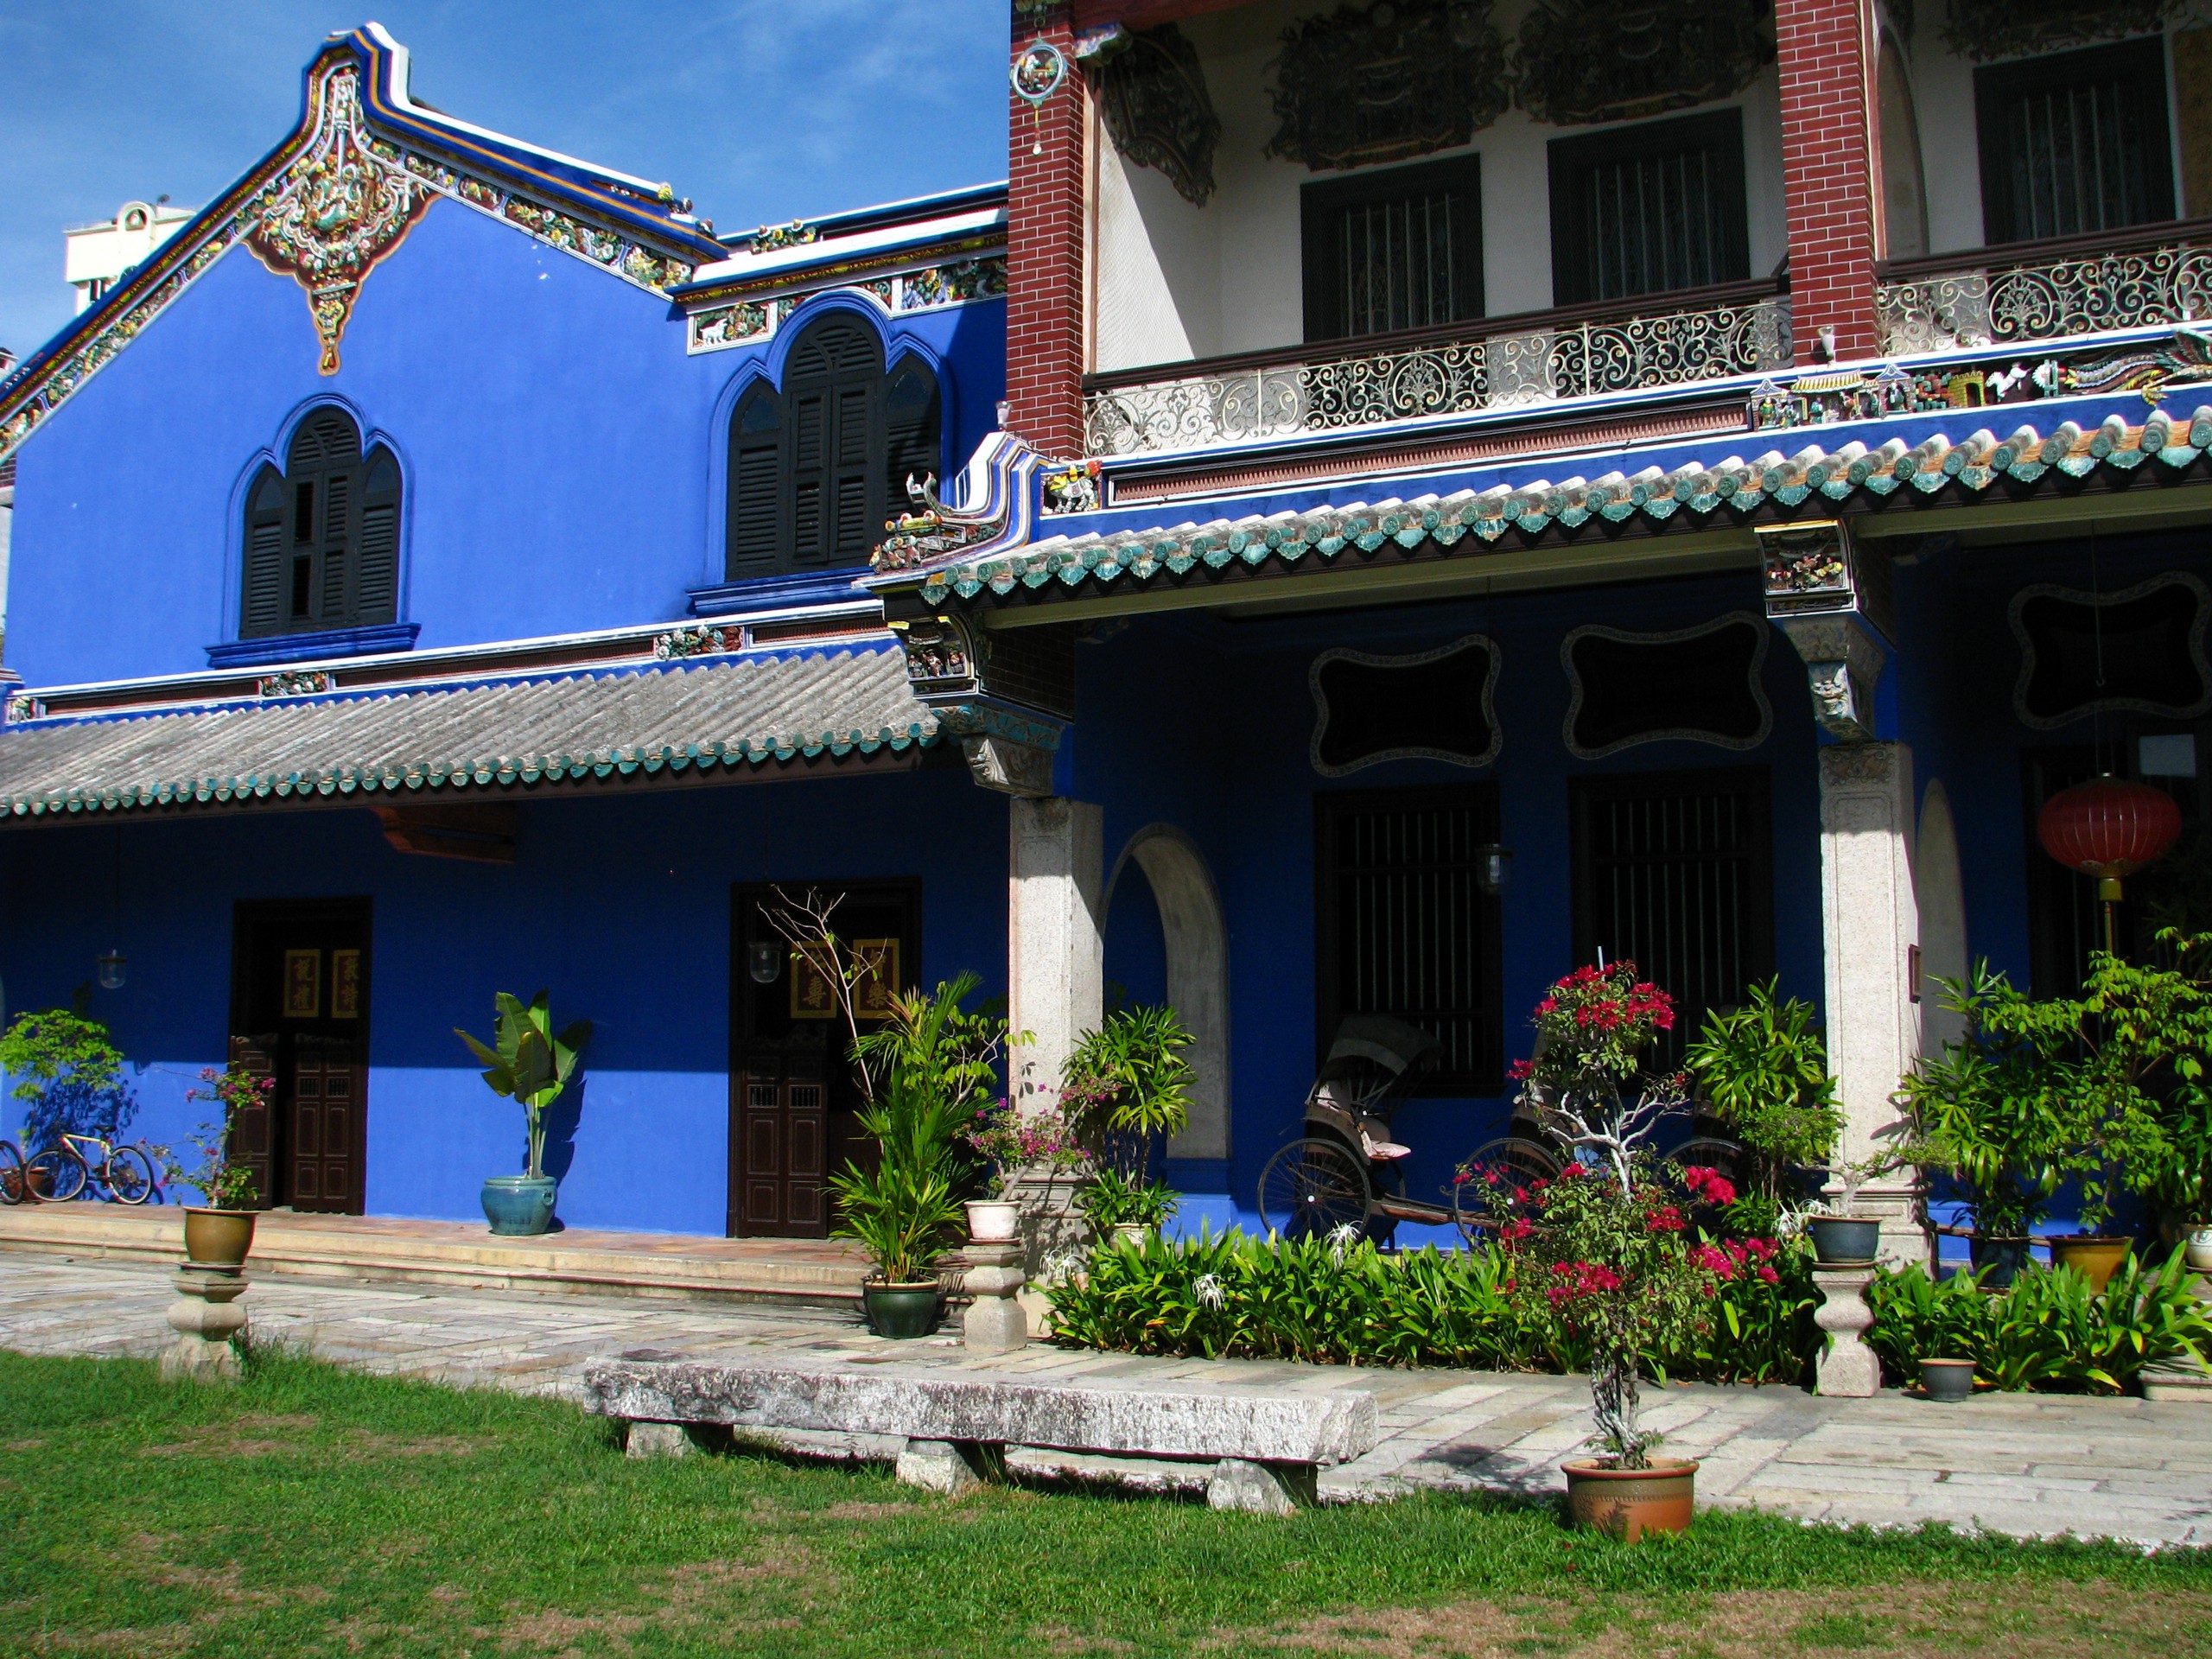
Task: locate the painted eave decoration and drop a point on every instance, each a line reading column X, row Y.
column 304, row 741
column 1722, row 492
column 338, row 195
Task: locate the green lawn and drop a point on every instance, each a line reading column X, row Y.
column 311, row 1511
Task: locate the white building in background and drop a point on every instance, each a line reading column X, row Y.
column 99, row 253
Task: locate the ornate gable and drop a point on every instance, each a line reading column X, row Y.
column 337, row 197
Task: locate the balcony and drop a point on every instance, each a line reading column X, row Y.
column 2156, row 274
column 1494, row 363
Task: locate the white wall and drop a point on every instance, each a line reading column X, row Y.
column 1175, row 281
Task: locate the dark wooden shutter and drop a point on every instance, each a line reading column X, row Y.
column 809, row 415
column 853, row 480
column 263, row 603
column 756, row 473
column 911, row 432
column 376, row 591
column 334, row 604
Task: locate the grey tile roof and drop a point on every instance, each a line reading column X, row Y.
column 1721, row 492
column 738, row 713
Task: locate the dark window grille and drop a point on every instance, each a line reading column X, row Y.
column 816, row 467
column 322, row 536
column 1649, row 209
column 1674, row 872
column 1404, row 928
column 2075, row 144
column 1401, row 249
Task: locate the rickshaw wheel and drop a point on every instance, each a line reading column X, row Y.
column 1313, row 1187
column 1514, row 1157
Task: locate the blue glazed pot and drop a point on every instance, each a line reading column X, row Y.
column 1844, row 1240
column 519, row 1206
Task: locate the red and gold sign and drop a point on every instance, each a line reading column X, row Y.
column 302, row 984
column 814, row 995
column 346, row 984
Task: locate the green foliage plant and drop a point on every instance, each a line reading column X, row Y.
column 225, row 1183
column 1764, row 1071
column 930, row 1069
column 525, row 1061
column 68, row 1074
column 1112, row 1198
column 1127, row 1084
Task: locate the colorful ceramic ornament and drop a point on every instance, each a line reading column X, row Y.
column 1039, row 70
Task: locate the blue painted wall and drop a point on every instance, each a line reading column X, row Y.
column 1205, row 723
column 620, row 904
column 561, row 453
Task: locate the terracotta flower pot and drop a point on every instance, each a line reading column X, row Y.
column 993, row 1221
column 218, row 1238
column 2095, row 1258
column 1629, row 1502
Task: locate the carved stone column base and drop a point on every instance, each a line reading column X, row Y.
column 205, row 1317
column 994, row 1323
column 1848, row 1368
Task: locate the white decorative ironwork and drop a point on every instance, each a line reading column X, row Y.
column 1200, row 411
column 2132, row 288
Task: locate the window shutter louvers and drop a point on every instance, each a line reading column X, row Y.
column 376, row 572
column 263, row 600
column 323, row 539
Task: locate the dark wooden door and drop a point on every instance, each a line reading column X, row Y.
column 793, row 1101
column 299, row 1006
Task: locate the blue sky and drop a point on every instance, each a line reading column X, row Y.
column 759, row 109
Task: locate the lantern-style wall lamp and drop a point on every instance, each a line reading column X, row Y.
column 763, row 961
column 1493, row 868
column 110, row 962
column 2108, row 829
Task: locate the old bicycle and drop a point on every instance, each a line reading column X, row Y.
column 122, row 1174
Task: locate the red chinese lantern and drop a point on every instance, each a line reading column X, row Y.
column 2108, row 829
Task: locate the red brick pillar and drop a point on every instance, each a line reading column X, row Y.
column 1829, row 172
column 1045, row 307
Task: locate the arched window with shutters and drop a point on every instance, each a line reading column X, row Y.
column 816, row 465
column 322, row 536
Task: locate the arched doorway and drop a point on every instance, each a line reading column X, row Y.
column 1195, row 944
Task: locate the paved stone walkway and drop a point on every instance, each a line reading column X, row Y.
column 2028, row 1465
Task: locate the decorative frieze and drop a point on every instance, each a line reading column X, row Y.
column 1986, row 31
column 24, row 707
column 295, row 683
column 1152, row 92
column 324, row 210
column 1461, row 377
column 1579, row 61
column 1386, row 82
column 1072, row 488
column 1856, row 394
column 702, row 641
column 2096, row 293
column 747, row 322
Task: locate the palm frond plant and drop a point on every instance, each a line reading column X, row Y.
column 1764, row 1070
column 1125, row 1087
column 528, row 1063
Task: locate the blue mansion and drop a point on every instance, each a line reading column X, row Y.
column 1383, row 550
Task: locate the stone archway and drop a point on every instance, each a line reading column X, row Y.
column 1198, row 972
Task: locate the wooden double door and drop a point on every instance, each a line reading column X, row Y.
column 793, row 1101
column 299, row 1013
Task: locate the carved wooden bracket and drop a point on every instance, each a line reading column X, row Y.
column 481, row 831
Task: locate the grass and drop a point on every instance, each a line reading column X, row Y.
column 314, row 1511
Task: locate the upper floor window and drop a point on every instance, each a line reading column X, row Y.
column 2075, row 144
column 1645, row 209
column 1401, row 249
column 322, row 536
column 815, row 467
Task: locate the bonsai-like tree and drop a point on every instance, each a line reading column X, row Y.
column 68, row 1074
column 525, row 1061
column 225, row 1183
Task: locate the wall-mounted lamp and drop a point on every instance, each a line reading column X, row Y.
column 1493, row 868
column 111, row 964
column 763, row 961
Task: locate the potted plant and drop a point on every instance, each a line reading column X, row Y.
column 1606, row 1245
column 1011, row 1142
column 1125, row 1207
column 1126, row 1085
column 526, row 1062
column 923, row 1074
column 1991, row 1112
column 1762, row 1070
column 220, row 1232
column 1947, row 1380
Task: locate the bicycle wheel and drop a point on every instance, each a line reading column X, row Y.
column 1311, row 1187
column 58, row 1174
column 14, row 1189
column 129, row 1175
column 1515, row 1158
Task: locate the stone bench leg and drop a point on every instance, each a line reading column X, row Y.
column 951, row 1466
column 1261, row 1488
column 654, row 1439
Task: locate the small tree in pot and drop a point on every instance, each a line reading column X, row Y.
column 220, row 1232
column 526, row 1062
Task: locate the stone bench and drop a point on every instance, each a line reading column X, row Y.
column 1265, row 1447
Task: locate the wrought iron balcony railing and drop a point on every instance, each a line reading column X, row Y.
column 1495, row 363
column 2156, row 274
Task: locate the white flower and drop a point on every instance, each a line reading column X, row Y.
column 1211, row 1294
column 1341, row 1238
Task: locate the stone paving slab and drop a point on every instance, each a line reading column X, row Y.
column 2032, row 1466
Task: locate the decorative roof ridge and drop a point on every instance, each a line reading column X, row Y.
column 1700, row 489
column 375, row 161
